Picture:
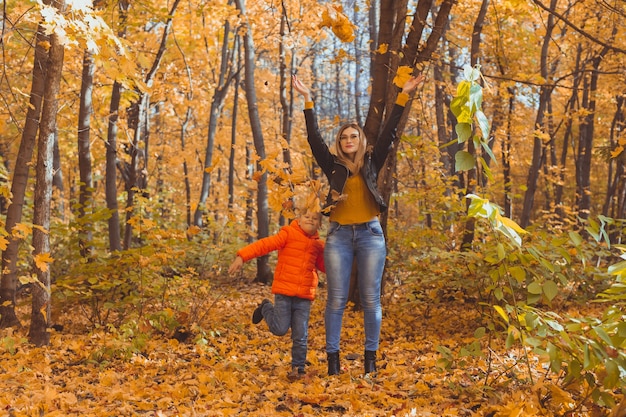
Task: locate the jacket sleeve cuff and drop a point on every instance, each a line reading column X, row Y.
column 402, row 99
column 308, row 105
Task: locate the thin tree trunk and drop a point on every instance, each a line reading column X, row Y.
column 8, row 285
column 286, row 103
column 41, row 302
column 358, row 58
column 58, row 204
column 115, row 241
column 217, row 102
column 473, row 175
column 506, row 156
column 85, row 236
column 618, row 124
column 137, row 171
column 568, row 133
column 538, row 148
column 264, row 273
column 233, row 134
column 586, row 132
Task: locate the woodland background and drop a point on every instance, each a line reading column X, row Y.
column 142, row 143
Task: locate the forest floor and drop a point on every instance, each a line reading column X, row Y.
column 241, row 369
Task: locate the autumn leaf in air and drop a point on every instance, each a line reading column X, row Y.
column 333, row 18
column 42, row 260
column 402, row 75
column 617, row 151
column 257, row 176
column 383, row 48
column 193, row 230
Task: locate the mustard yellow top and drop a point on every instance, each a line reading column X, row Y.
column 358, row 205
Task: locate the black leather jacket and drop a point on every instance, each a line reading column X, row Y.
column 338, row 173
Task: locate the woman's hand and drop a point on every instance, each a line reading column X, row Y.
column 301, row 88
column 412, row 83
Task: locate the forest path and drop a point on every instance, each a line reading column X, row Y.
column 242, row 368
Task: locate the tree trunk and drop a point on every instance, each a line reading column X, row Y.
column 473, row 175
column 219, row 95
column 264, row 273
column 414, row 52
column 586, row 132
column 358, row 58
column 138, row 168
column 85, row 236
column 40, row 315
column 506, row 156
column 615, row 181
column 570, row 107
column 233, row 134
column 58, row 204
column 538, row 147
column 384, row 66
column 115, row 241
column 8, row 285
column 286, row 103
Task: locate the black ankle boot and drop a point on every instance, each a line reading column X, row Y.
column 333, row 363
column 370, row 361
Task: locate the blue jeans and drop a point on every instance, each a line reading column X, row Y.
column 366, row 242
column 290, row 312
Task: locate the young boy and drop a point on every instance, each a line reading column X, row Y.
column 300, row 254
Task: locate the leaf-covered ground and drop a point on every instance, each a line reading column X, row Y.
column 242, row 369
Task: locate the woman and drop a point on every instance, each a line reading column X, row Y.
column 353, row 204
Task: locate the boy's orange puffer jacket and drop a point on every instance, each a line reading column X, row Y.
column 299, row 255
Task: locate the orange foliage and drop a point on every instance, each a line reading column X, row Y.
column 242, row 369
column 333, row 18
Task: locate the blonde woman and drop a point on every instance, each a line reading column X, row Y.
column 353, row 204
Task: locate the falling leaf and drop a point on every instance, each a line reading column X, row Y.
column 193, row 230
column 617, row 151
column 333, row 18
column 257, row 176
column 383, row 48
column 402, row 75
column 42, row 260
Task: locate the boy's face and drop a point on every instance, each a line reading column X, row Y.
column 310, row 222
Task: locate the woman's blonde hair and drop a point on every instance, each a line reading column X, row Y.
column 353, row 166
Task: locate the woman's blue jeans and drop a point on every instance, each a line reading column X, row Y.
column 290, row 312
column 344, row 243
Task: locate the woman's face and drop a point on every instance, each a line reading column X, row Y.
column 349, row 141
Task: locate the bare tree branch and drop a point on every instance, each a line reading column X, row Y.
column 579, row 30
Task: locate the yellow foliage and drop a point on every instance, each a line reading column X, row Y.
column 21, row 231
column 42, row 260
column 617, row 151
column 193, row 230
column 383, row 48
column 402, row 75
column 342, row 27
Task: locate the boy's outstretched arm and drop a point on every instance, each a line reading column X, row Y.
column 236, row 265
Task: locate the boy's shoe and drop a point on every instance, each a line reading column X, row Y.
column 295, row 374
column 257, row 315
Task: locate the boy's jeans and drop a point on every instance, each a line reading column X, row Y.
column 366, row 242
column 290, row 312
